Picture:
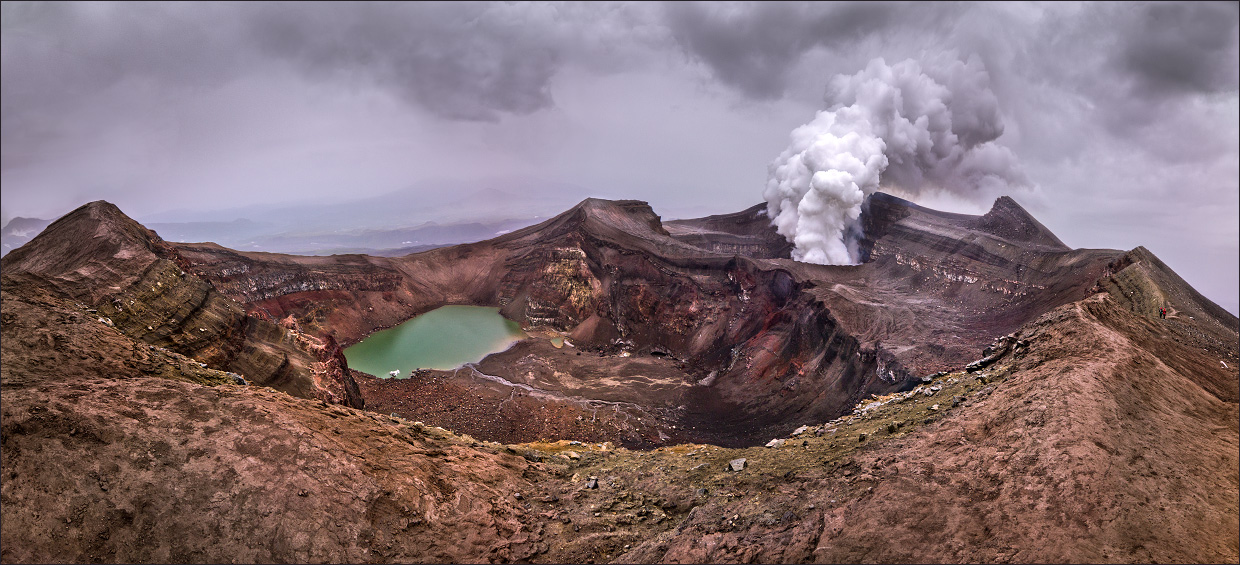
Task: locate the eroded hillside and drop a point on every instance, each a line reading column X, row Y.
column 698, row 331
column 1093, row 433
column 973, row 392
column 130, row 279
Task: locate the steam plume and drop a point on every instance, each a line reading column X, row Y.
column 901, row 125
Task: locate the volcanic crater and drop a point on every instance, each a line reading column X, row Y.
column 701, row 330
column 691, row 340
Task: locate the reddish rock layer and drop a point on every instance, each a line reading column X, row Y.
column 1103, row 434
column 129, row 277
column 759, row 343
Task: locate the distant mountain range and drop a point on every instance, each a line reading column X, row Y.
column 416, row 219
column 248, row 235
column 18, row 231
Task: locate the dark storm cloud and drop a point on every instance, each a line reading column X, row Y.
column 752, row 47
column 94, row 46
column 1141, row 67
column 61, row 56
column 1131, row 55
column 466, row 61
column 469, row 62
column 1180, row 47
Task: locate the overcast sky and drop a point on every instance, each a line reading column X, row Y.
column 1124, row 117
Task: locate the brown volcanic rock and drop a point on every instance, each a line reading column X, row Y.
column 155, row 470
column 47, row 337
column 349, row 296
column 89, row 253
column 936, row 287
column 763, row 344
column 785, row 342
column 114, row 451
column 133, row 279
column 747, row 233
column 1009, row 221
column 1089, row 449
column 755, row 346
column 1101, row 433
column 1086, row 447
column 535, row 391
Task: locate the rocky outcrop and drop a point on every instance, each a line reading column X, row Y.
column 255, row 277
column 1092, row 431
column 747, row 341
column 335, row 378
column 750, row 341
column 1008, row 220
column 612, row 278
column 135, row 281
column 747, row 234
column 1098, row 430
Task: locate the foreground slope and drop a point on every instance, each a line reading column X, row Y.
column 1085, row 447
column 1095, row 432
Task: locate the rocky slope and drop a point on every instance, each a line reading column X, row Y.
column 1094, row 432
column 1089, row 430
column 126, row 276
column 741, row 341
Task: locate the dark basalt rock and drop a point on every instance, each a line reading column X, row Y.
column 1009, row 220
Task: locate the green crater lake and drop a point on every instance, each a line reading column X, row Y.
column 444, row 338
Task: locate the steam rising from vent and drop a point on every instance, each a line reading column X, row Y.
column 901, row 125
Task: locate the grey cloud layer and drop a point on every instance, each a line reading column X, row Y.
column 1182, row 47
column 480, row 61
column 468, row 61
column 462, row 62
column 753, row 47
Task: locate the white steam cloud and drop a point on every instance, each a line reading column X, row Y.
column 902, row 125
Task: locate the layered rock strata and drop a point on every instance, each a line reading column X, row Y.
column 753, row 341
column 134, row 281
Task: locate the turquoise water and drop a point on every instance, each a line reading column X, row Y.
column 444, row 338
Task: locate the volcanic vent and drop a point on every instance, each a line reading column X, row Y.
column 1112, row 430
column 693, row 330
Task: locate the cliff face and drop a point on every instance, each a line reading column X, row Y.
column 744, row 341
column 135, row 282
column 747, row 233
column 1096, row 432
column 1091, row 430
column 733, row 347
